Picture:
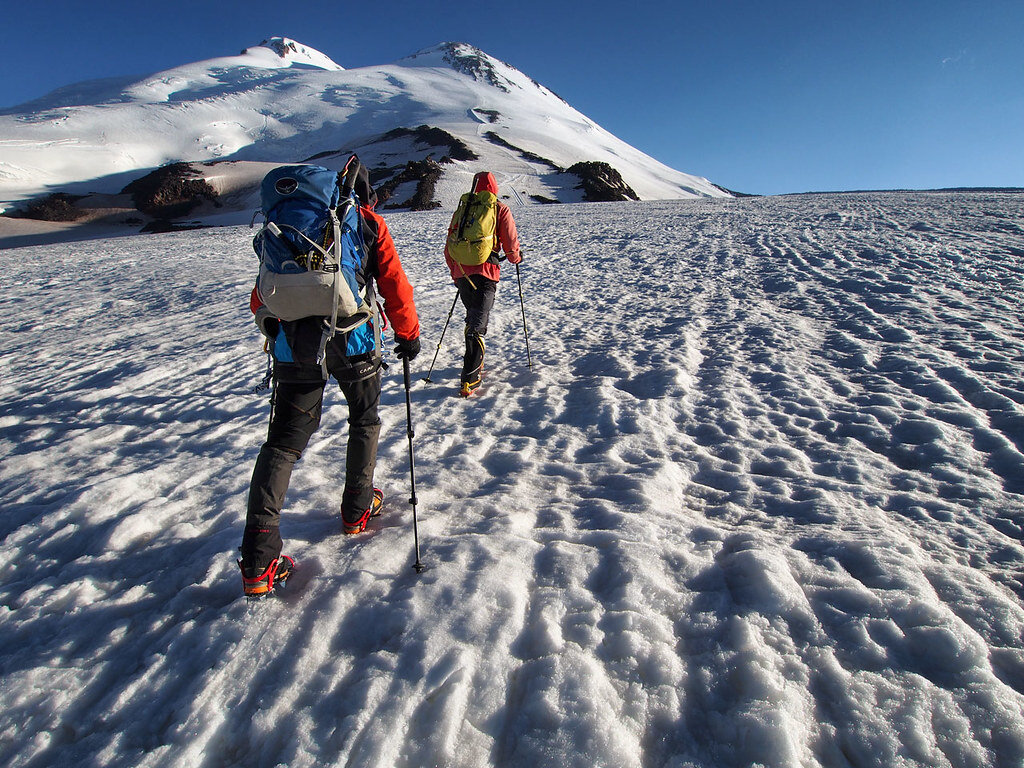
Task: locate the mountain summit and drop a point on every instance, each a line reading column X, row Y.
column 296, row 53
column 471, row 61
column 424, row 125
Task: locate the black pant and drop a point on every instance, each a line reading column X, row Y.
column 477, row 294
column 294, row 417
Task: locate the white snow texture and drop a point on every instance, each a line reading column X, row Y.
column 757, row 503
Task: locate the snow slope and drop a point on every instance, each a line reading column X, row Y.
column 262, row 106
column 758, row 502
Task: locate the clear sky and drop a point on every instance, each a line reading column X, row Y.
column 761, row 97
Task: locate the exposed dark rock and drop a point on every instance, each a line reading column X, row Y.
column 170, row 192
column 382, row 173
column 433, row 137
column 492, row 115
column 278, row 45
column 425, row 173
column 56, row 207
column 472, row 61
column 494, row 138
column 548, row 90
column 732, row 192
column 601, row 183
column 543, row 200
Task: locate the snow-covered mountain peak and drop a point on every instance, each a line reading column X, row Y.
column 296, row 53
column 283, row 102
column 469, row 60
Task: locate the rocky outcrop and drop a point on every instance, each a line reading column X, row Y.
column 456, row 149
column 471, row 61
column 490, row 115
column 56, row 207
column 170, row 192
column 426, row 174
column 601, row 183
column 280, row 45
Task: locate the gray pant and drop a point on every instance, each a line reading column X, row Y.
column 478, row 297
column 294, row 417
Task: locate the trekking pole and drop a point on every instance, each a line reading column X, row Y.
column 450, row 311
column 526, row 333
column 412, row 466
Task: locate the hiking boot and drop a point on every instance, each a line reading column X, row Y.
column 359, row 525
column 469, row 387
column 256, row 584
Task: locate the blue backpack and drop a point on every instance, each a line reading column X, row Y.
column 311, row 248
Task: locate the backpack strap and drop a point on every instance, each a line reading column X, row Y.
column 371, row 297
column 465, row 274
column 336, row 253
column 468, row 199
column 348, row 179
column 368, row 231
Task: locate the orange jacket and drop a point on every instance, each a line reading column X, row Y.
column 508, row 237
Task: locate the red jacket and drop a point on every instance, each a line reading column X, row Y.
column 508, row 238
column 394, row 286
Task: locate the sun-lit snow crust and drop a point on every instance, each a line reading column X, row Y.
column 759, row 502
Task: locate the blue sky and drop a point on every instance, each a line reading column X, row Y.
column 758, row 97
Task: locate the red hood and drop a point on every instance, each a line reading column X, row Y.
column 484, row 182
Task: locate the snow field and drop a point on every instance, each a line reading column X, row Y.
column 758, row 502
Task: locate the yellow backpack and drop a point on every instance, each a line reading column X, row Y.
column 473, row 232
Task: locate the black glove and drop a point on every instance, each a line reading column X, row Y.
column 407, row 349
